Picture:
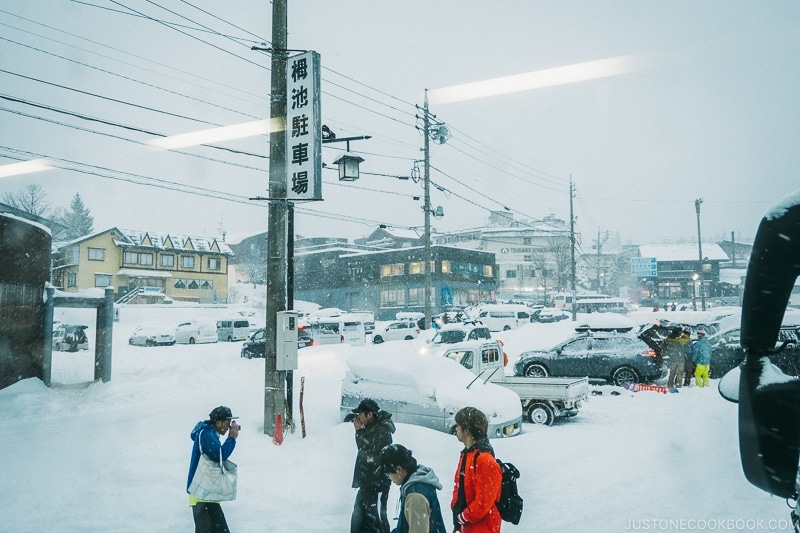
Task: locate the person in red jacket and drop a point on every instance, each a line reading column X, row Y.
column 478, row 478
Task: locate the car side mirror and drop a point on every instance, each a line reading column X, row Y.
column 769, row 403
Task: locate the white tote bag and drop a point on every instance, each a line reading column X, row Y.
column 214, row 481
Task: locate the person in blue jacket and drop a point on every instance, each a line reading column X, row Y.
column 208, row 516
column 419, row 505
column 702, row 358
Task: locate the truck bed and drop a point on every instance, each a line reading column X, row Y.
column 566, row 389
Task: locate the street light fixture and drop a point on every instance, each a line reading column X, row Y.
column 700, row 255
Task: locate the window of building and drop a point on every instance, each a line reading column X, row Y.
column 193, row 284
column 418, row 267
column 187, row 261
column 393, row 298
column 136, row 258
column 206, row 285
column 180, row 283
column 72, row 280
column 527, row 258
column 168, row 260
column 446, row 267
column 213, row 263
column 511, row 273
column 416, row 296
column 488, row 271
column 97, row 254
column 102, row 280
column 392, row 270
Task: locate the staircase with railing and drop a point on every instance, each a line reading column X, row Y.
column 130, row 295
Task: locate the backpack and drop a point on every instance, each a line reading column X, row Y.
column 510, row 503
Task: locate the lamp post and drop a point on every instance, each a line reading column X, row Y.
column 700, row 255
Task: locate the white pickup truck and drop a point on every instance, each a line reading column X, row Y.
column 543, row 399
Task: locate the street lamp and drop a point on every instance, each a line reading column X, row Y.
column 700, row 255
column 347, row 162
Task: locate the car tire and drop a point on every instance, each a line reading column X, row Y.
column 624, row 375
column 377, row 339
column 507, row 328
column 57, row 347
column 191, row 340
column 230, row 339
column 409, row 337
column 540, row 413
column 130, row 341
column 536, row 371
column 149, row 343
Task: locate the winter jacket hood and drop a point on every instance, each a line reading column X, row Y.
column 422, row 474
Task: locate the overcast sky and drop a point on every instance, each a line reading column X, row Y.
column 685, row 100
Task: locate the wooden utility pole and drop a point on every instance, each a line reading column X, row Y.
column 274, row 380
column 427, row 208
column 572, row 247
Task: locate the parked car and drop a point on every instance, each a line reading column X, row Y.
column 549, row 315
column 427, row 391
column 465, row 331
column 619, row 358
column 195, row 332
column 233, row 329
column 70, row 338
column 152, row 335
column 255, row 345
column 396, row 330
column 727, row 352
column 504, row 317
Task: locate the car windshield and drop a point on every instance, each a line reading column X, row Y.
column 450, row 336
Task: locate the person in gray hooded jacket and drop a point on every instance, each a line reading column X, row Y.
column 419, row 505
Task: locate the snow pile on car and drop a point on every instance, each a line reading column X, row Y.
column 426, row 380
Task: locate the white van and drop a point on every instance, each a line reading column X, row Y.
column 195, row 332
column 503, row 317
column 343, row 329
column 233, row 329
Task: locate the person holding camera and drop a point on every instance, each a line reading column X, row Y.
column 374, row 429
column 478, row 478
column 208, row 516
column 419, row 504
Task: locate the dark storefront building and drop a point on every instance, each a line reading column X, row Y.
column 389, row 281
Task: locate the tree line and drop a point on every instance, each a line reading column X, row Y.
column 65, row 224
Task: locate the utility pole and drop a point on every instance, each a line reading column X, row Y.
column 597, row 262
column 700, row 255
column 427, row 207
column 572, row 247
column 733, row 250
column 274, row 380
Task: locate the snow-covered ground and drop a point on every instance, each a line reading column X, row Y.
column 85, row 456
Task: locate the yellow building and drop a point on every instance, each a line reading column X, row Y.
column 144, row 266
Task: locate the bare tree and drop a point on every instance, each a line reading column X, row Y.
column 560, row 248
column 32, row 199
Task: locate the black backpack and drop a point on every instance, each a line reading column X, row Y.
column 510, row 503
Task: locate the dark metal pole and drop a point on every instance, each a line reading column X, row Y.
column 274, row 383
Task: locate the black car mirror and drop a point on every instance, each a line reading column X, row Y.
column 769, row 405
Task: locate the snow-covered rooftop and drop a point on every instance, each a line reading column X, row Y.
column 682, row 252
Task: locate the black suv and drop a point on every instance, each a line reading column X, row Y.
column 618, row 358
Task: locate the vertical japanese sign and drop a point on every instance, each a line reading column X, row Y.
column 303, row 128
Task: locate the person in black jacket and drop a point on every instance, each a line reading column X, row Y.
column 374, row 430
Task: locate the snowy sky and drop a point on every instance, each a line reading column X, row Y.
column 686, row 100
column 96, row 457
